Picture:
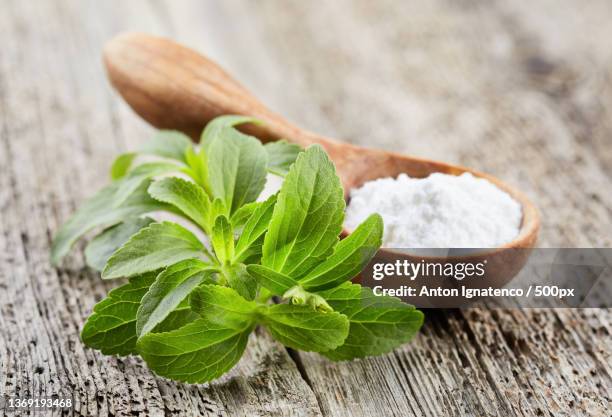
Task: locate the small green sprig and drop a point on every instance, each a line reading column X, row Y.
column 197, row 288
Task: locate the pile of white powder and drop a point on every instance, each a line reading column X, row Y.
column 440, row 211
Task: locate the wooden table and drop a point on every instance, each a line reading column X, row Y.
column 522, row 90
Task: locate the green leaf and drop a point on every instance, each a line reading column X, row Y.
column 178, row 318
column 378, row 324
column 121, row 165
column 102, row 246
column 307, row 217
column 219, row 304
column 197, row 168
column 208, row 347
column 276, row 282
column 197, row 352
column 240, row 280
column 215, row 126
column 168, row 144
column 99, row 211
column 240, row 216
column 112, row 326
column 350, row 256
column 217, row 209
column 170, row 288
column 236, row 168
column 222, row 239
column 138, row 176
column 189, row 198
column 301, row 327
column 281, row 155
column 251, row 238
column 156, row 246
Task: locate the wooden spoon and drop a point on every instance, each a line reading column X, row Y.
column 173, row 87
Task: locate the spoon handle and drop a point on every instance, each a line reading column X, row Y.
column 174, row 87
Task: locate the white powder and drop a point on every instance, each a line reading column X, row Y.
column 440, row 211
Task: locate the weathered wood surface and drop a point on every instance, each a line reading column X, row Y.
column 522, row 90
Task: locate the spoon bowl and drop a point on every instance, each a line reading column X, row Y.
column 174, row 87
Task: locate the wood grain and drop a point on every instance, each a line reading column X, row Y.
column 518, row 89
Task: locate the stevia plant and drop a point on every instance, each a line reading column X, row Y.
column 190, row 303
